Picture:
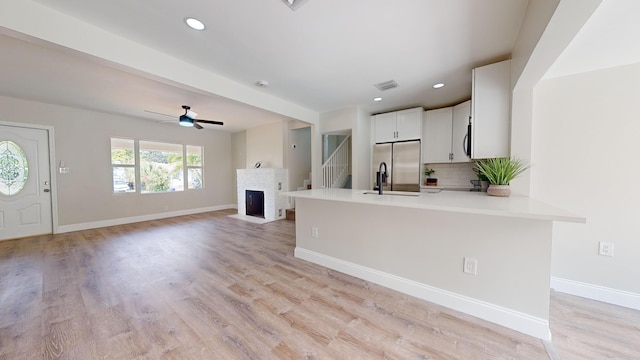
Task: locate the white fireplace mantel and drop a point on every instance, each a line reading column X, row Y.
column 272, row 182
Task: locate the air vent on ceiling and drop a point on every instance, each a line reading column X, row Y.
column 387, row 85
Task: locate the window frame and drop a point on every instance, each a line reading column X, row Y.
column 185, row 168
column 189, row 167
column 126, row 166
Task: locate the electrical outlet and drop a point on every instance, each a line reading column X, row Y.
column 470, row 266
column 279, row 212
column 605, row 248
column 314, row 232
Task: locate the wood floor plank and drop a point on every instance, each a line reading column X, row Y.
column 207, row 286
column 581, row 329
column 69, row 339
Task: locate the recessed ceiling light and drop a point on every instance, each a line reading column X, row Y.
column 194, row 23
column 376, row 99
column 438, row 85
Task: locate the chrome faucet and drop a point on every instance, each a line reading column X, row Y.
column 382, row 176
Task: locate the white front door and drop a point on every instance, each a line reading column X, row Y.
column 25, row 191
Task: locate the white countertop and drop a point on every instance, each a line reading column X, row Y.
column 453, row 201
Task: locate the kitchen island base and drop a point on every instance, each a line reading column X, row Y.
column 420, row 252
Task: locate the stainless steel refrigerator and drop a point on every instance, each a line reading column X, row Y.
column 403, row 165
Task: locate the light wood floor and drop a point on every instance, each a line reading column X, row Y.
column 208, row 286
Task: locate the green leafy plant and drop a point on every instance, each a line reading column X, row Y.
column 154, row 177
column 428, row 171
column 500, row 171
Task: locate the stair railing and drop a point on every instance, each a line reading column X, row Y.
column 336, row 169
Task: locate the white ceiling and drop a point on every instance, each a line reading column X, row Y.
column 324, row 56
column 58, row 76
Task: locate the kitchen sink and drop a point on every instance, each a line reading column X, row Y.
column 396, row 193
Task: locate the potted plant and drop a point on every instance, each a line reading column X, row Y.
column 429, row 181
column 482, row 183
column 500, row 172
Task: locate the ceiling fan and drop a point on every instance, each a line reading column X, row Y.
column 188, row 119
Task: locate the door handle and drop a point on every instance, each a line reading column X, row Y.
column 46, row 190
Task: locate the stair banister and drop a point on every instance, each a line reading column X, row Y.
column 336, row 169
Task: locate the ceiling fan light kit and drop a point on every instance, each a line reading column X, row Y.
column 188, row 119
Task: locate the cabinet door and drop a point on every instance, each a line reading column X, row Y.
column 409, row 124
column 461, row 113
column 437, row 135
column 385, row 127
column 491, row 108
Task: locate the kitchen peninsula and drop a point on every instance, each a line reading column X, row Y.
column 485, row 256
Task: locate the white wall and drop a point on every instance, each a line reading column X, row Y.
column 299, row 157
column 533, row 25
column 362, row 147
column 358, row 122
column 585, row 160
column 540, row 41
column 573, row 133
column 82, row 140
column 337, row 121
column 238, row 154
column 266, row 143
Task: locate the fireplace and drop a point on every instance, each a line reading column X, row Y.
column 271, row 182
column 254, row 203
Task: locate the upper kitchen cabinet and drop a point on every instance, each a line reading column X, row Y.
column 459, row 127
column 398, row 125
column 436, row 136
column 490, row 110
column 445, row 133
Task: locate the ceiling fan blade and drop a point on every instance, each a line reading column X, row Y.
column 157, row 113
column 210, row 122
column 191, row 115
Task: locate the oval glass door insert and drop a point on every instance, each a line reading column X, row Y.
column 14, row 168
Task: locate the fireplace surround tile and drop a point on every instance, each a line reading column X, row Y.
column 269, row 180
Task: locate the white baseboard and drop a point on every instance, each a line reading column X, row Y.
column 512, row 319
column 596, row 292
column 134, row 219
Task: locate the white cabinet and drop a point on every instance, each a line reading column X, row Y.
column 385, row 127
column 444, row 134
column 436, row 136
column 461, row 113
column 398, row 125
column 409, row 124
column 491, row 108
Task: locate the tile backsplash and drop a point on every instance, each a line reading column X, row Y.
column 457, row 175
